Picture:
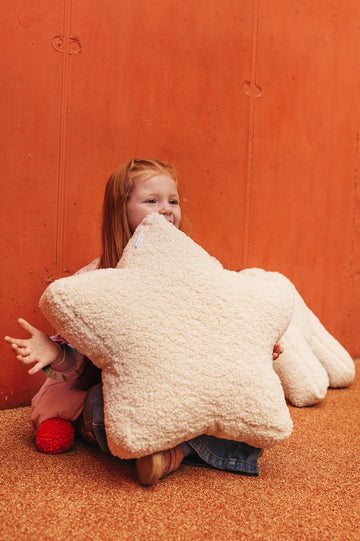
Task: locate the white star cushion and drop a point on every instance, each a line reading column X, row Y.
column 185, row 346
column 313, row 359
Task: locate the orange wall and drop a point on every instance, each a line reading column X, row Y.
column 255, row 102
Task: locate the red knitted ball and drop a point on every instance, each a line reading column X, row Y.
column 55, row 436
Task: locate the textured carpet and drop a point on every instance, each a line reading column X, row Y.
column 308, row 487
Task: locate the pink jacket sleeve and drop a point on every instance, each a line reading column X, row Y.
column 71, row 364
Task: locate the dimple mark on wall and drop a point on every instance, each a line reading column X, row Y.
column 74, row 45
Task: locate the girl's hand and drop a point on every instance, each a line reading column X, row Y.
column 39, row 348
column 277, row 351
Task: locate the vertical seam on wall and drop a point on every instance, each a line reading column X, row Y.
column 250, row 158
column 354, row 243
column 63, row 135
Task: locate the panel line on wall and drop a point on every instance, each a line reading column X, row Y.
column 63, row 135
column 354, row 272
column 253, row 96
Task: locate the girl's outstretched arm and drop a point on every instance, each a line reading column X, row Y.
column 39, row 348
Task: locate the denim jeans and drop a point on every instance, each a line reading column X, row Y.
column 227, row 455
column 207, row 451
column 94, row 416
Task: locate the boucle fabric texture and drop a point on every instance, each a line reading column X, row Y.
column 313, row 359
column 185, row 346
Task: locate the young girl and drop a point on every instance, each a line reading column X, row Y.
column 72, row 394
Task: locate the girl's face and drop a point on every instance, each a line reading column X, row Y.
column 156, row 194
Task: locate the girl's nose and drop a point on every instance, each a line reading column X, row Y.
column 165, row 208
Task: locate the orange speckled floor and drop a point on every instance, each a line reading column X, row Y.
column 308, row 488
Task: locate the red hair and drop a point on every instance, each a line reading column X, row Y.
column 115, row 232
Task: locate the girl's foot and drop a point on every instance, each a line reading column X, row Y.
column 55, row 436
column 151, row 468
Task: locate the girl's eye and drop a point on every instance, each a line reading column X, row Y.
column 151, row 201
column 174, row 202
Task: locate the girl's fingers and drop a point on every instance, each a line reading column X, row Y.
column 22, row 354
column 17, row 343
column 35, row 369
column 29, row 359
column 26, row 326
column 10, row 340
column 25, row 358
